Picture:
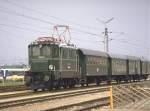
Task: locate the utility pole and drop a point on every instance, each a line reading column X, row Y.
column 106, row 33
column 106, row 39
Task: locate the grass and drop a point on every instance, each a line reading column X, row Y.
column 11, row 82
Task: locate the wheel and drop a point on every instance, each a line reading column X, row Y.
column 49, row 89
column 87, row 84
column 108, row 82
column 57, row 87
column 64, row 86
column 82, row 84
column 35, row 90
column 97, row 82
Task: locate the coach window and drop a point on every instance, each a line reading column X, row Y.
column 94, row 60
column 104, row 61
column 91, row 60
column 88, row 60
column 114, row 62
column 99, row 61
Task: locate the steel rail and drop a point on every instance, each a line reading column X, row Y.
column 81, row 106
column 30, row 100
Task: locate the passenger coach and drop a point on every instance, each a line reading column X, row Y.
column 94, row 66
column 119, row 67
column 134, row 68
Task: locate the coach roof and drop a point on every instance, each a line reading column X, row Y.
column 133, row 58
column 93, row 52
column 145, row 59
column 117, row 56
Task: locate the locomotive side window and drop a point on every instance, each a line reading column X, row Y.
column 35, row 50
column 66, row 53
column 73, row 54
column 70, row 53
column 63, row 53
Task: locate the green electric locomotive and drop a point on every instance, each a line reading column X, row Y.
column 52, row 64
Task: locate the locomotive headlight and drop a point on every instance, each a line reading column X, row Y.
column 97, row 69
column 50, row 67
column 68, row 67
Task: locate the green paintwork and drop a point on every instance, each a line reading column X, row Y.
column 63, row 60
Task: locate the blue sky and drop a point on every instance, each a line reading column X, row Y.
column 22, row 21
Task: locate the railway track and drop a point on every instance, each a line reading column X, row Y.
column 30, row 97
column 30, row 93
column 12, row 88
column 82, row 106
column 14, row 102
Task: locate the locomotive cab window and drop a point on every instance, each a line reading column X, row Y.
column 55, row 51
column 46, row 50
column 65, row 53
column 36, row 50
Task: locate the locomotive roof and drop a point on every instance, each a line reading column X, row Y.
column 93, row 52
column 72, row 46
column 117, row 56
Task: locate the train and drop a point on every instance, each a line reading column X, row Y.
column 55, row 65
